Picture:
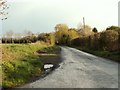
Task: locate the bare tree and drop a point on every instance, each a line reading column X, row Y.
column 3, row 7
column 10, row 34
column 28, row 33
column 85, row 31
column 18, row 36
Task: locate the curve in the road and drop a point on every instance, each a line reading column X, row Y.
column 80, row 70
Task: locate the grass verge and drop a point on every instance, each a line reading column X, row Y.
column 20, row 64
column 114, row 56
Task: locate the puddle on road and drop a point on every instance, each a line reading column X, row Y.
column 48, row 68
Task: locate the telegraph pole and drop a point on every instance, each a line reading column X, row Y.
column 84, row 22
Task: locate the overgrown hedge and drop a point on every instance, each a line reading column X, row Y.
column 107, row 40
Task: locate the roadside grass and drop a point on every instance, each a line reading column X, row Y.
column 20, row 64
column 114, row 55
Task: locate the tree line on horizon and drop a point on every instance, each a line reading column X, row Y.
column 84, row 36
column 27, row 37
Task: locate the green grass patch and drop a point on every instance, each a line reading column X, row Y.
column 20, row 64
column 114, row 55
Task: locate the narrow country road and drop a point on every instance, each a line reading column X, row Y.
column 80, row 70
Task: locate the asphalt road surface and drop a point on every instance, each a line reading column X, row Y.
column 80, row 70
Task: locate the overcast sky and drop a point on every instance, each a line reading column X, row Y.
column 43, row 15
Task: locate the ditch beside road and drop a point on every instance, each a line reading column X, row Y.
column 80, row 70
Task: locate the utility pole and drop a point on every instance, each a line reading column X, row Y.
column 84, row 22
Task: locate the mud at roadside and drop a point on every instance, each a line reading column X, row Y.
column 52, row 57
